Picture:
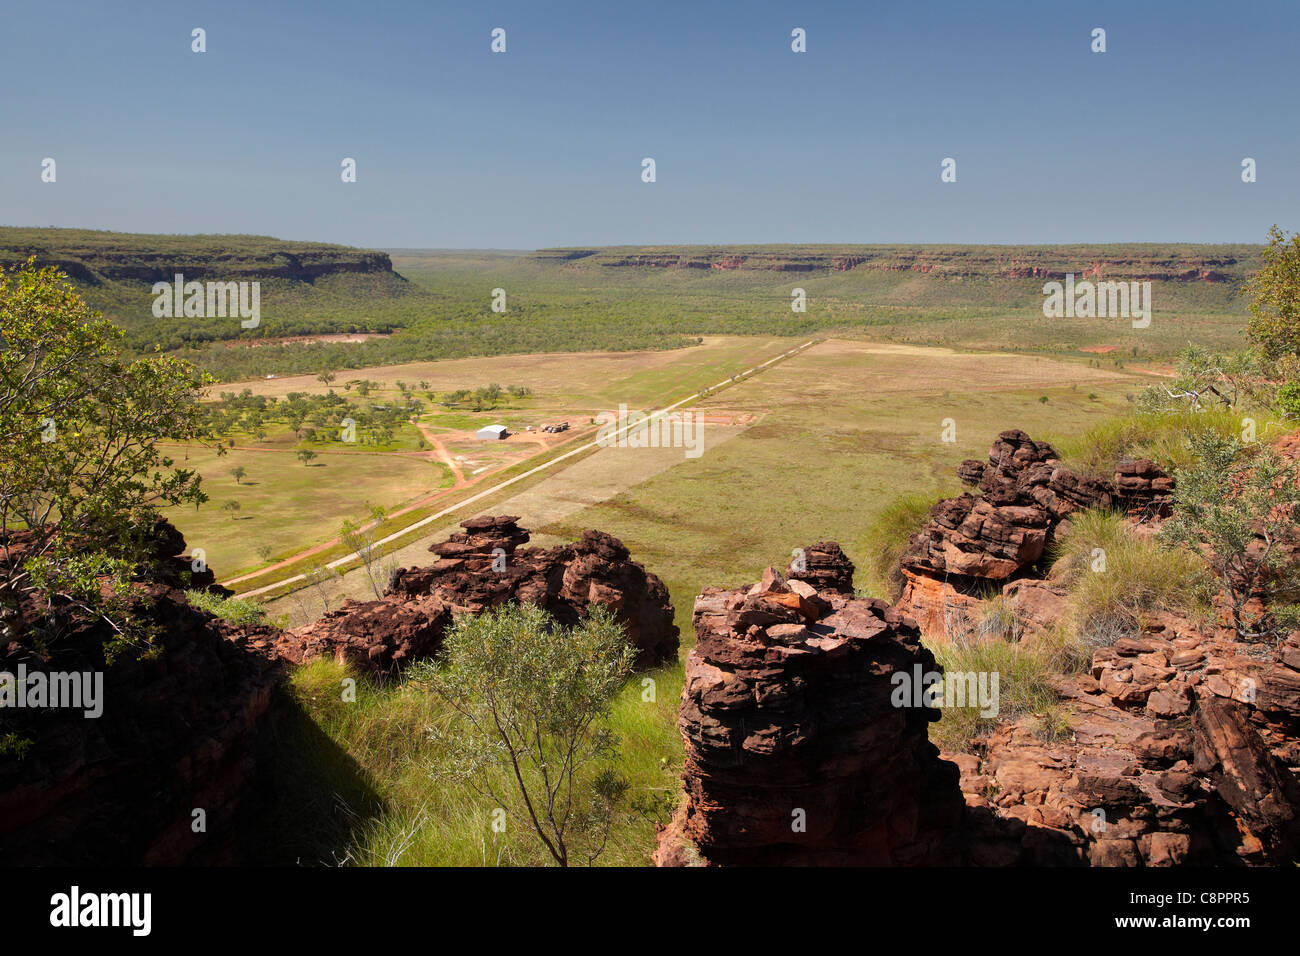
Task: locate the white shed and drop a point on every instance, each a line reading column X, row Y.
column 493, row 432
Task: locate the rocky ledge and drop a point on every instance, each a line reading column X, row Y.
column 481, row 568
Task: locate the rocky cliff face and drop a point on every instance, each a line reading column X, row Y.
column 181, row 730
column 92, row 258
column 1141, row 262
column 482, row 568
column 795, row 751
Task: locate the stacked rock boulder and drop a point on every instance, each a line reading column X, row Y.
column 824, row 566
column 484, row 567
column 795, row 751
column 1002, row 530
column 182, row 728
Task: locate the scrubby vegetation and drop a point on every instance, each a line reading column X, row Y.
column 1236, row 508
column 528, row 731
column 84, row 473
column 1116, row 579
column 438, row 305
column 229, row 609
column 359, row 783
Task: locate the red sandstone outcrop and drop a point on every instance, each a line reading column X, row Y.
column 1003, row 530
column 181, row 729
column 484, row 567
column 825, row 566
column 795, row 751
column 1178, row 748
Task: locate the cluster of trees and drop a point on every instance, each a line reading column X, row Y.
column 481, row 399
column 312, row 417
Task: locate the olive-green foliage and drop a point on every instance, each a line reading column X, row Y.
column 1238, row 505
column 83, row 470
column 529, row 699
column 1274, row 293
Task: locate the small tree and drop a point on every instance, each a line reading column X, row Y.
column 238, row 473
column 530, row 699
column 363, row 539
column 305, row 455
column 1237, row 505
column 1274, row 293
column 1208, row 379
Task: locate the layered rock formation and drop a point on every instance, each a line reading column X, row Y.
column 181, row 730
column 796, row 753
column 984, row 539
column 482, row 568
column 1162, row 763
column 825, row 566
column 1178, row 747
column 1153, row 263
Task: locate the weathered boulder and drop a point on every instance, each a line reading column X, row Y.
column 825, row 566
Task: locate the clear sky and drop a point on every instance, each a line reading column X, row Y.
column 542, row 146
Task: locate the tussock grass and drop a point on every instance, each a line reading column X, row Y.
column 1162, row 437
column 1025, row 674
column 1116, row 580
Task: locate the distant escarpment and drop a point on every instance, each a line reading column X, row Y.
column 171, row 768
column 93, row 258
column 482, row 568
column 1127, row 262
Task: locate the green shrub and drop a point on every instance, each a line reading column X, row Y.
column 236, row 611
column 1288, row 400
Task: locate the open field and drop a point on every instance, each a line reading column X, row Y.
column 837, row 429
column 827, row 433
column 283, row 514
column 284, row 503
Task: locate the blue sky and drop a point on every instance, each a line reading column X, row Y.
column 542, row 145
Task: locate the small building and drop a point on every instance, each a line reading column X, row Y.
column 493, row 432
